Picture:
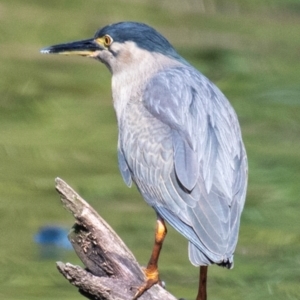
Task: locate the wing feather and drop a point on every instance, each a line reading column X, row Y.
column 123, row 167
column 191, row 165
column 209, row 158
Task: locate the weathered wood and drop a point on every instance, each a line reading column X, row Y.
column 112, row 272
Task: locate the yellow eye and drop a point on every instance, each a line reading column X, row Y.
column 107, row 40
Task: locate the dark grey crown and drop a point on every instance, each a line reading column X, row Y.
column 143, row 35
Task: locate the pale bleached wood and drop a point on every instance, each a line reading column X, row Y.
column 112, row 272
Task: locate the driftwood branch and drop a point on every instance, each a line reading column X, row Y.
column 112, row 272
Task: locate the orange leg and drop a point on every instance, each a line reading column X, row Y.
column 202, row 283
column 151, row 271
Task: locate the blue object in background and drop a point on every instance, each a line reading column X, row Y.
column 53, row 235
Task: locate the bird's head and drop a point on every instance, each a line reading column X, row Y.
column 118, row 45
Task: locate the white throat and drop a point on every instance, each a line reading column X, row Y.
column 131, row 71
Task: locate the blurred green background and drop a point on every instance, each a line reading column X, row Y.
column 56, row 119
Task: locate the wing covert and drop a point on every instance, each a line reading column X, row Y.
column 204, row 125
column 207, row 191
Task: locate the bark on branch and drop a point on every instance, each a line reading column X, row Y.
column 112, row 272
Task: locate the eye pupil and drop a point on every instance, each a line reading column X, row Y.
column 107, row 40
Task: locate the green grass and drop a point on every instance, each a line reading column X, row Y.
column 56, row 119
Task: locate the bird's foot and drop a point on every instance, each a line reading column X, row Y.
column 152, row 276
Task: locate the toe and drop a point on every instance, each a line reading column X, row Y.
column 152, row 278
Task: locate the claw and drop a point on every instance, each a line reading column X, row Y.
column 152, row 278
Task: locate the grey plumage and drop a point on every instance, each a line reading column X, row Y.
column 179, row 137
column 188, row 160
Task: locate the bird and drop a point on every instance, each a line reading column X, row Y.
column 179, row 142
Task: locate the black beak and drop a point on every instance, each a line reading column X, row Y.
column 83, row 48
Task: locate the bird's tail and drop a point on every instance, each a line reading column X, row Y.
column 198, row 258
